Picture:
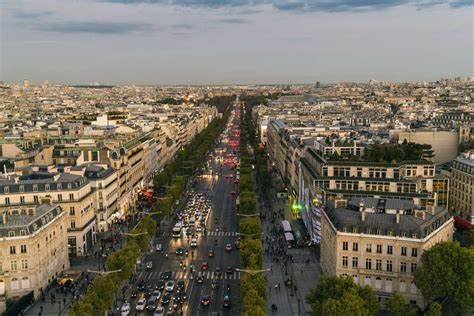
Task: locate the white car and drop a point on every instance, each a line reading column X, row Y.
column 169, row 286
column 160, row 311
column 141, row 304
column 149, row 265
column 199, row 228
column 159, row 247
column 194, row 242
column 125, row 310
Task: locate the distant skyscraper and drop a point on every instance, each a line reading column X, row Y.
column 318, row 84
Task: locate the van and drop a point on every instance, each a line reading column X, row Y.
column 152, row 303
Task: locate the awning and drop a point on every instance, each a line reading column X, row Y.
column 463, row 222
column 289, row 236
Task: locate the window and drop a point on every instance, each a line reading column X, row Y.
column 368, row 248
column 14, row 284
column 24, row 264
column 22, row 188
column 71, row 196
column 368, row 280
column 60, row 197
column 25, row 283
column 355, row 262
column 368, row 264
column 69, row 186
column 355, row 246
column 389, row 250
column 23, row 248
column 379, row 248
column 378, row 283
column 404, row 251
column 46, row 187
column 35, row 199
column 7, row 201
column 35, row 188
column 403, row 267
column 13, row 265
column 12, row 250
column 389, row 265
column 345, row 245
column 413, row 267
column 414, row 252
column 72, row 211
column 6, row 190
column 11, row 233
column 378, row 265
column 73, row 224
column 59, row 186
column 344, row 261
column 22, row 200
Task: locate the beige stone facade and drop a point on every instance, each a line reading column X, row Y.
column 462, row 188
column 33, row 249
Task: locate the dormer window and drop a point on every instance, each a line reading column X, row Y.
column 60, row 186
column 35, row 188
column 11, row 233
column 46, row 187
column 22, row 188
column 69, row 186
column 6, row 190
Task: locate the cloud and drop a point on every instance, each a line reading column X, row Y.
column 232, row 21
column 32, row 15
column 305, row 5
column 95, row 27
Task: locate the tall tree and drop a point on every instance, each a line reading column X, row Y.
column 447, row 270
column 397, row 307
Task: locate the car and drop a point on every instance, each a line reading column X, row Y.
column 236, row 181
column 149, row 265
column 228, row 247
column 141, row 304
column 179, row 251
column 169, row 287
column 152, row 304
column 160, row 285
column 210, row 253
column 149, row 291
column 232, row 192
column 159, row 247
column 182, row 294
column 229, row 270
column 125, row 309
column 206, row 300
column 226, row 302
column 200, row 279
column 199, row 228
column 218, row 271
column 141, row 285
column 180, row 284
column 194, row 242
column 204, row 266
column 165, row 300
column 160, row 311
column 166, row 275
column 134, row 293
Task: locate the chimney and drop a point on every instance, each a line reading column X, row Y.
column 397, row 216
column 362, row 214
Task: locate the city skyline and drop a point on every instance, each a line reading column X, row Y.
column 151, row 42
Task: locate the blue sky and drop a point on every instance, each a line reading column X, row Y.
column 234, row 41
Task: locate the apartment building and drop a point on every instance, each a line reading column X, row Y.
column 72, row 192
column 379, row 242
column 104, row 183
column 462, row 187
column 33, row 248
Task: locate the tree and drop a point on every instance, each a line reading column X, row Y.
column 447, row 270
column 250, row 226
column 433, row 310
column 248, row 202
column 333, row 293
column 397, row 307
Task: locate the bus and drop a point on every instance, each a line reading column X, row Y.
column 176, row 232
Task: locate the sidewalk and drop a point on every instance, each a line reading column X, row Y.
column 297, row 265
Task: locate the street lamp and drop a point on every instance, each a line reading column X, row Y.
column 134, row 234
column 250, row 235
column 248, row 215
column 252, row 272
column 104, row 272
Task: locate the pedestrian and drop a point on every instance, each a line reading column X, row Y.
column 270, row 289
column 41, row 308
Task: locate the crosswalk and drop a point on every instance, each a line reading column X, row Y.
column 178, row 275
column 221, row 233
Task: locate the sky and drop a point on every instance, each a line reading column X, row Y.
column 235, row 41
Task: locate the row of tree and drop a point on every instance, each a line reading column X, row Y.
column 252, row 285
column 100, row 294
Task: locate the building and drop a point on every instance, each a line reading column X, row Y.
column 73, row 192
column 462, row 187
column 379, row 242
column 33, row 248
